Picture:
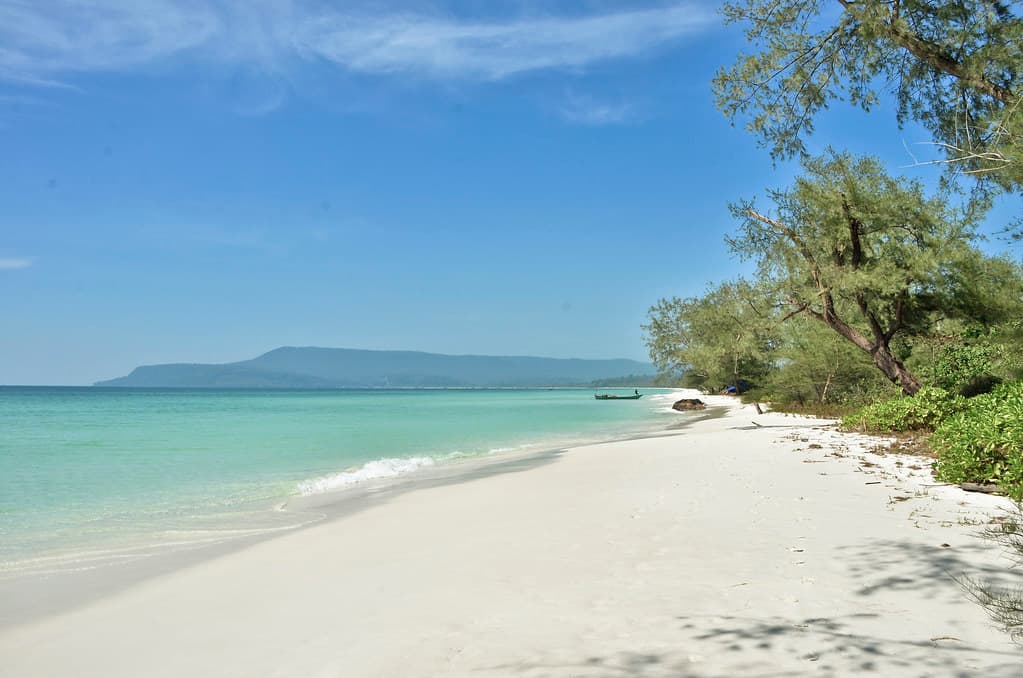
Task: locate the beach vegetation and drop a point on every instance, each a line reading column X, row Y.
column 955, row 68
column 976, row 440
column 868, row 255
column 972, row 360
column 816, row 369
column 727, row 336
column 892, row 271
column 982, row 441
column 923, row 412
column 855, row 270
column 966, row 366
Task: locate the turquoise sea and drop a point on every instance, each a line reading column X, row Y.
column 104, row 471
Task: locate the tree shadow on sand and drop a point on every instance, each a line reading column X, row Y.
column 931, row 569
column 634, row 665
column 718, row 646
column 727, row 646
column 838, row 646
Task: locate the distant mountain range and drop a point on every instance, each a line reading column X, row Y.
column 311, row 367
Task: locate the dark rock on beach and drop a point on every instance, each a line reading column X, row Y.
column 687, row 404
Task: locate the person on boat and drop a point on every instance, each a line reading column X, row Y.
column 636, row 391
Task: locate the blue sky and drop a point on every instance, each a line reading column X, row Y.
column 203, row 181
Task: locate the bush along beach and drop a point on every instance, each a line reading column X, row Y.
column 976, row 440
column 922, row 412
column 983, row 441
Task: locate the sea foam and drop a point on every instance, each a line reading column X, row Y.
column 374, row 470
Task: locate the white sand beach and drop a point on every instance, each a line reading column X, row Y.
column 724, row 549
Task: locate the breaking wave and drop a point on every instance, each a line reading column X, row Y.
column 374, row 470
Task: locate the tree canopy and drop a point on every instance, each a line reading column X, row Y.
column 721, row 338
column 956, row 67
column 869, row 256
column 849, row 253
column 815, row 365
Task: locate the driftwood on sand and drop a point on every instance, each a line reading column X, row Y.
column 979, row 487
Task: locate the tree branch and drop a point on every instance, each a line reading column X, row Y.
column 855, row 229
column 935, row 57
column 792, row 314
column 900, row 310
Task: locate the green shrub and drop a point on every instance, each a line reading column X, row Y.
column 984, row 442
column 921, row 412
column 958, row 364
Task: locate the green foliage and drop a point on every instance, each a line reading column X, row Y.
column 958, row 365
column 987, row 290
column 921, row 412
column 694, row 379
column 857, row 274
column 903, row 262
column 973, row 359
column 868, row 255
column 983, row 443
column 817, row 367
column 954, row 67
column 1008, row 336
column 714, row 340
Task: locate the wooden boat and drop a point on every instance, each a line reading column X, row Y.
column 608, row 396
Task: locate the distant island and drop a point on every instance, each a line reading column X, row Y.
column 311, row 367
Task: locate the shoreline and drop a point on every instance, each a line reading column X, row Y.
column 88, row 576
column 212, row 514
column 32, row 596
column 672, row 548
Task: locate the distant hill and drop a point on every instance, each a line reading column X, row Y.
column 311, row 367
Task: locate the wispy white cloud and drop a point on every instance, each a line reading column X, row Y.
column 46, row 41
column 41, row 39
column 586, row 110
column 448, row 48
column 10, row 263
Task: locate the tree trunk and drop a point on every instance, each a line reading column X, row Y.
column 895, row 370
column 877, row 349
